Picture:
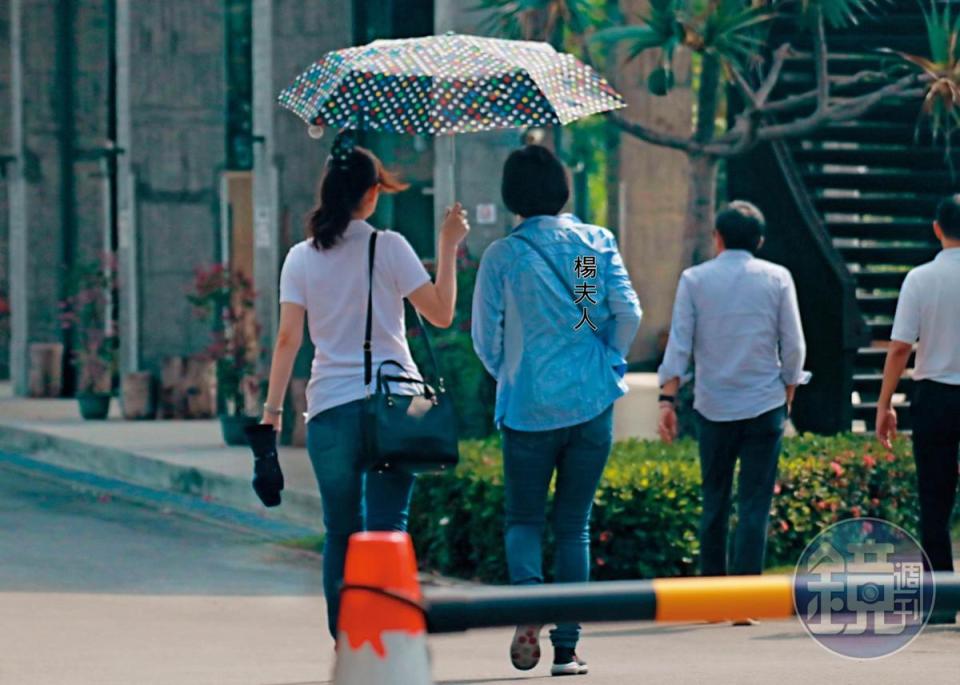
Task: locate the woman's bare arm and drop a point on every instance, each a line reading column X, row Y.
column 289, row 339
column 436, row 301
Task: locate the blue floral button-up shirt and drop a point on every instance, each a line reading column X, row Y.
column 550, row 372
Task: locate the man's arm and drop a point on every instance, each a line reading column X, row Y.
column 898, row 354
column 906, row 331
column 487, row 316
column 676, row 359
column 793, row 348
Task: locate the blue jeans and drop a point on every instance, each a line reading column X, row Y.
column 757, row 443
column 353, row 499
column 578, row 454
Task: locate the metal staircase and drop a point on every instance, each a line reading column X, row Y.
column 874, row 184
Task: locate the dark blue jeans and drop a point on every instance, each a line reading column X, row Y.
column 578, row 455
column 353, row 499
column 757, row 443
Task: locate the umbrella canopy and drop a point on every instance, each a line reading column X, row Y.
column 448, row 84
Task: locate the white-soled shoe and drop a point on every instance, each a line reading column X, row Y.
column 566, row 662
column 525, row 647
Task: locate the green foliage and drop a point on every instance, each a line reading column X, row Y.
column 473, row 390
column 840, row 13
column 647, row 507
column 660, row 81
column 941, row 102
column 536, row 19
column 731, row 31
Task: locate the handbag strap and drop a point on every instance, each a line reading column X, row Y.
column 536, row 248
column 367, row 336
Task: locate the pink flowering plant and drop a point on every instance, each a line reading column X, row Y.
column 4, row 317
column 226, row 299
column 86, row 315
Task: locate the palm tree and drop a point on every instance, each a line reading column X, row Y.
column 730, row 41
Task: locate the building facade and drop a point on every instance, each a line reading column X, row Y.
column 150, row 129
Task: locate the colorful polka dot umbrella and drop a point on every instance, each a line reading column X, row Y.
column 448, row 84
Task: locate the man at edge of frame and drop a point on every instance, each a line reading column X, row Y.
column 928, row 315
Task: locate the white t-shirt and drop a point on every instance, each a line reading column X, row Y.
column 928, row 311
column 332, row 286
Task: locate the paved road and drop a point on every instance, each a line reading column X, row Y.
column 99, row 591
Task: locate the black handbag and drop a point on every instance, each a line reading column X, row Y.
column 412, row 433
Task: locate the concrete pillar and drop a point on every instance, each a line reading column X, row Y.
column 127, row 252
column 36, row 235
column 266, row 254
column 288, row 35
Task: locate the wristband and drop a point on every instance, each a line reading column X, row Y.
column 273, row 411
column 667, row 398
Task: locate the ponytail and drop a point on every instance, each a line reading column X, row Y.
column 350, row 172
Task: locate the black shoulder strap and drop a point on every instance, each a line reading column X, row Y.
column 367, row 347
column 553, row 267
column 368, row 333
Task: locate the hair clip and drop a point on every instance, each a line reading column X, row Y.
column 343, row 146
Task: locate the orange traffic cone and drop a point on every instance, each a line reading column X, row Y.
column 381, row 632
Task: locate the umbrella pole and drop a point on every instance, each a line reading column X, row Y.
column 453, row 167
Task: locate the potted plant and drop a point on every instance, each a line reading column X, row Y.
column 86, row 314
column 226, row 299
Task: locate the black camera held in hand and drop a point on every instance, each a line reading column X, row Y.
column 267, row 476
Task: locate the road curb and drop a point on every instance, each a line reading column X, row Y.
column 193, row 487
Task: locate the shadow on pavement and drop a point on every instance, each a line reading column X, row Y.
column 57, row 539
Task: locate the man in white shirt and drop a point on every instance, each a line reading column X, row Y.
column 736, row 317
column 928, row 313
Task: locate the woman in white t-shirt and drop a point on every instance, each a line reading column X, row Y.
column 325, row 278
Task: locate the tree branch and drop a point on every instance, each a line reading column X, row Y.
column 850, row 109
column 654, row 136
column 744, row 86
column 793, row 102
column 821, row 62
column 773, row 76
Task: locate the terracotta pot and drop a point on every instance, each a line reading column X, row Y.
column 138, row 396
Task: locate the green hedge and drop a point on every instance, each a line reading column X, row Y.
column 647, row 508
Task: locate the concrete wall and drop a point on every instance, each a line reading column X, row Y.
column 655, row 191
column 288, row 36
column 302, row 33
column 55, row 123
column 176, row 119
column 92, row 106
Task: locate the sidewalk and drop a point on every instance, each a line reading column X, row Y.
column 189, row 457
column 186, row 457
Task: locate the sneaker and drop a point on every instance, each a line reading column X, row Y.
column 566, row 662
column 525, row 648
